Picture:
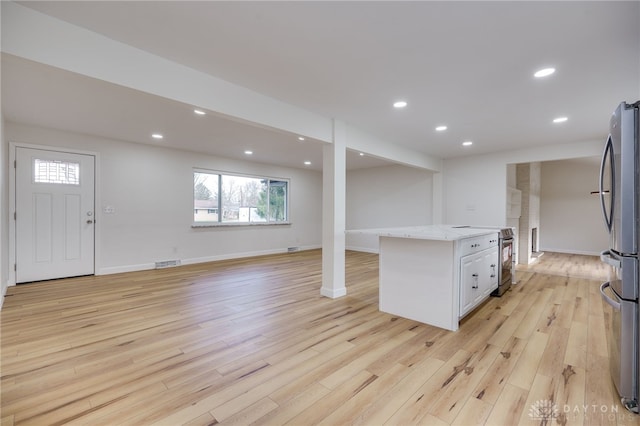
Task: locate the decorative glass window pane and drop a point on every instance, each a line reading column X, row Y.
column 63, row 172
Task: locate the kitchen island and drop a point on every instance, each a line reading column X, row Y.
column 435, row 274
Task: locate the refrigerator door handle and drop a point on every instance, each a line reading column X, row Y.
column 607, row 155
column 610, row 259
column 606, row 298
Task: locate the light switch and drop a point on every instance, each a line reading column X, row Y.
column 109, row 210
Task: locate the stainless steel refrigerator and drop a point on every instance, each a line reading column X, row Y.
column 619, row 196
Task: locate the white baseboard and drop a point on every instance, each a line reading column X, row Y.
column 333, row 293
column 363, row 249
column 231, row 256
column 565, row 251
column 195, row 260
column 125, row 268
column 4, row 293
column 243, row 255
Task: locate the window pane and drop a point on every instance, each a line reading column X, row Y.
column 205, row 197
column 240, row 199
column 236, row 199
column 66, row 173
column 277, row 201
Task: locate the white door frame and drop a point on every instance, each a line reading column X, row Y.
column 12, row 203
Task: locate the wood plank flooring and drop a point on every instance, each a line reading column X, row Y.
column 571, row 265
column 251, row 341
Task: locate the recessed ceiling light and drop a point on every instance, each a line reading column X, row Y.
column 248, row 152
column 400, row 104
column 157, row 136
column 560, row 119
column 362, row 154
column 467, row 143
column 441, row 128
column 300, row 138
column 199, row 112
column 307, row 163
column 545, row 72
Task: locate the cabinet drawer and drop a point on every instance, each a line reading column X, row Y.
column 476, row 244
column 491, row 240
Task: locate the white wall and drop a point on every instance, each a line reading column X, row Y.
column 387, row 196
column 4, row 212
column 474, row 191
column 570, row 217
column 474, row 188
column 151, row 190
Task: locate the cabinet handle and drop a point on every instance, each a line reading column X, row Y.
column 475, row 278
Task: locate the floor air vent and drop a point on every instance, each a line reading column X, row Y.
column 167, row 264
column 292, row 249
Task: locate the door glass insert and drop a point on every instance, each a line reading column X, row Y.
column 63, row 172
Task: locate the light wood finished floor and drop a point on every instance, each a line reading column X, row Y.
column 252, row 342
column 570, row 265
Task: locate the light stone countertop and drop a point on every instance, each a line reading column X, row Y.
column 426, row 232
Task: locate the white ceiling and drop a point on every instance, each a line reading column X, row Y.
column 468, row 65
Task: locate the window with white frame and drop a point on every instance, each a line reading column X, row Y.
column 221, row 198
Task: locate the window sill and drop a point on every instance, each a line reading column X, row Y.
column 233, row 225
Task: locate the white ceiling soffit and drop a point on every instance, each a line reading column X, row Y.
column 468, row 65
column 41, row 95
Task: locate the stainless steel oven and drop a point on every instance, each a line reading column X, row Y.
column 505, row 273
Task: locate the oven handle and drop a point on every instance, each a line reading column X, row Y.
column 610, row 259
column 606, row 298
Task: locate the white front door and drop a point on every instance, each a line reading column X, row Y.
column 54, row 214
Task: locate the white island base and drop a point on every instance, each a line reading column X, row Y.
column 416, row 278
column 436, row 274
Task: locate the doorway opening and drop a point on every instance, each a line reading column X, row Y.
column 535, row 252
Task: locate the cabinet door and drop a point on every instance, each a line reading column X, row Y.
column 490, row 264
column 470, row 279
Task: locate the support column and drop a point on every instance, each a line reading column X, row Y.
column 334, row 213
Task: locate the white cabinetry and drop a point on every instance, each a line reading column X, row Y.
column 478, row 278
column 436, row 278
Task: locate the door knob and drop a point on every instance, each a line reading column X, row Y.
column 89, row 221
